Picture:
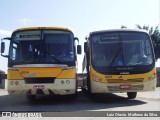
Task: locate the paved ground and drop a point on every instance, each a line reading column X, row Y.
column 145, row 101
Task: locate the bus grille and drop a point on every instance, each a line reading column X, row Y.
column 134, row 87
column 125, row 81
column 39, row 80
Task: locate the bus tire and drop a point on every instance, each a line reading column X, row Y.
column 88, row 84
column 31, row 97
column 131, row 95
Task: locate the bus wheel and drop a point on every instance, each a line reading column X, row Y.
column 31, row 97
column 131, row 95
column 88, row 85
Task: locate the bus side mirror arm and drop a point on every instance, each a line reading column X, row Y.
column 6, row 56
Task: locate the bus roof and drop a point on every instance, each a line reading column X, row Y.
column 44, row 28
column 122, row 29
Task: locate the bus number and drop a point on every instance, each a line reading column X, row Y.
column 24, row 72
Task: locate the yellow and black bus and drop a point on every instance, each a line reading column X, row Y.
column 119, row 60
column 42, row 60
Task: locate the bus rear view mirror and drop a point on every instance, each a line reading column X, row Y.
column 85, row 46
column 2, row 47
column 79, row 49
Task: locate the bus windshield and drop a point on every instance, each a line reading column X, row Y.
column 47, row 46
column 121, row 49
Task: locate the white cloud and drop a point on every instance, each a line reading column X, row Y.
column 25, row 21
column 5, row 32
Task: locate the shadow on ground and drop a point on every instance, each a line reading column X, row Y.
column 64, row 103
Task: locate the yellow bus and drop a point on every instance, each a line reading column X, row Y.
column 119, row 60
column 42, row 60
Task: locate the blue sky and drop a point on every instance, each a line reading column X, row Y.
column 83, row 16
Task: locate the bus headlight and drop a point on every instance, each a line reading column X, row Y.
column 95, row 78
column 16, row 83
column 62, row 82
column 67, row 81
column 152, row 77
column 12, row 82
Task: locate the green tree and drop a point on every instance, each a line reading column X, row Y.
column 155, row 36
column 122, row 26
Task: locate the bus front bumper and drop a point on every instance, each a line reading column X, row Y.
column 59, row 87
column 97, row 87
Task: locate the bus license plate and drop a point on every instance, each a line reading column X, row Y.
column 38, row 86
column 125, row 86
